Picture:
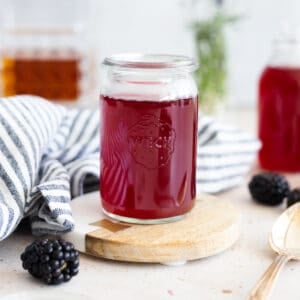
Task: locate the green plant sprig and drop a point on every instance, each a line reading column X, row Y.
column 210, row 43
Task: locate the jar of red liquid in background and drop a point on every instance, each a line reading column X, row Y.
column 148, row 107
column 279, row 107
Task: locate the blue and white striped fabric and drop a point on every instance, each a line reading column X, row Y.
column 224, row 155
column 46, row 152
column 49, row 154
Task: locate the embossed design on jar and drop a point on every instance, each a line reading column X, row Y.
column 151, row 142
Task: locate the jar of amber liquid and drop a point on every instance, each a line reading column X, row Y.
column 148, row 137
column 43, row 62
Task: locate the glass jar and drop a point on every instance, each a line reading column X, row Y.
column 148, row 137
column 45, row 53
column 279, row 108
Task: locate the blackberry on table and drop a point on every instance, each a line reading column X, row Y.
column 53, row 261
column 269, row 188
column 293, row 197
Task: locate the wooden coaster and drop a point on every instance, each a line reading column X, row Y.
column 211, row 227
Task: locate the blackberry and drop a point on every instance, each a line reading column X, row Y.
column 269, row 188
column 293, row 197
column 53, row 261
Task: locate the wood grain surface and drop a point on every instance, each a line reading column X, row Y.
column 211, row 227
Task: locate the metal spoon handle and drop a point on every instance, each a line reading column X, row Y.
column 263, row 288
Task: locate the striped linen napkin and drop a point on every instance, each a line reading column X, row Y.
column 50, row 154
column 224, row 155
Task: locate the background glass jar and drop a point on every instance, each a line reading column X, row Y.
column 45, row 52
column 148, row 137
column 279, row 107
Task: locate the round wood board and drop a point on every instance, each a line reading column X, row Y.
column 210, row 228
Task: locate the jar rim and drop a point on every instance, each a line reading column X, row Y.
column 151, row 61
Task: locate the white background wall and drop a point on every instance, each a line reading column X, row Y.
column 250, row 42
column 163, row 26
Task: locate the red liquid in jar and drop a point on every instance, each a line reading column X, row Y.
column 148, row 157
column 279, row 119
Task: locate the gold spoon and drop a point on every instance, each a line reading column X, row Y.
column 285, row 240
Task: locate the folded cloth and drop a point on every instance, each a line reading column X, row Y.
column 46, row 152
column 50, row 154
column 224, row 155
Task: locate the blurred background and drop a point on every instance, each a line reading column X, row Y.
column 78, row 34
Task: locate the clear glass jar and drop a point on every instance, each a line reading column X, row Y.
column 43, row 52
column 279, row 107
column 149, row 107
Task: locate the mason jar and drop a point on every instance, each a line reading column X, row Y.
column 148, row 107
column 45, row 53
column 279, row 106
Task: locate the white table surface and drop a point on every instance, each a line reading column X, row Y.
column 229, row 275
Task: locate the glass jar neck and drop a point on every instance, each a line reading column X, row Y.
column 154, row 76
column 286, row 53
column 148, row 77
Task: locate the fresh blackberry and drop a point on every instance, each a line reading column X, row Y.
column 293, row 197
column 53, row 261
column 269, row 188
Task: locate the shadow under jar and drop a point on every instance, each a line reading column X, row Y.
column 148, row 107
